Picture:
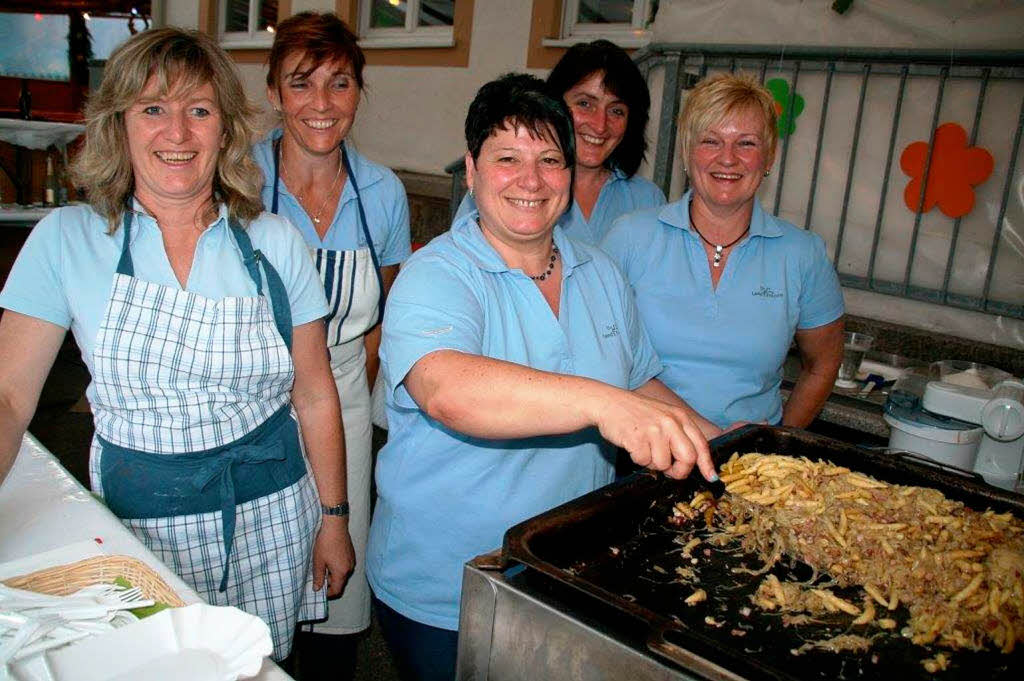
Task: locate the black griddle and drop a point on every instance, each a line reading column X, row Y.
column 615, row 545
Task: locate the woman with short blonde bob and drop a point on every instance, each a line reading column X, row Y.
column 743, row 282
column 199, row 318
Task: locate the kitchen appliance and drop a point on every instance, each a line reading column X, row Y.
column 967, row 415
column 587, row 590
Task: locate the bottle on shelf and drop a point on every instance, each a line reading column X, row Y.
column 62, row 185
column 50, row 198
column 25, row 101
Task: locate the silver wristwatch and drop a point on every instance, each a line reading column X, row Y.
column 339, row 510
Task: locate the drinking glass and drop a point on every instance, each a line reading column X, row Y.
column 855, row 345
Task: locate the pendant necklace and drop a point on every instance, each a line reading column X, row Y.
column 323, row 204
column 551, row 264
column 718, row 247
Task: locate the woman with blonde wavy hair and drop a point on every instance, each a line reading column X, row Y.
column 200, row 320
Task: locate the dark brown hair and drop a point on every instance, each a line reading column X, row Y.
column 321, row 37
column 621, row 77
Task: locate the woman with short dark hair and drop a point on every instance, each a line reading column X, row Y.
column 610, row 104
column 514, row 363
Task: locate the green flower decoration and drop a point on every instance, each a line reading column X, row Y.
column 780, row 93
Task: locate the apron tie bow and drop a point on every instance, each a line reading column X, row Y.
column 222, row 467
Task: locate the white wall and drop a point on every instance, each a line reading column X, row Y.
column 983, row 24
column 183, row 13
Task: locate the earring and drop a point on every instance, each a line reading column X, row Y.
column 767, row 173
column 471, row 192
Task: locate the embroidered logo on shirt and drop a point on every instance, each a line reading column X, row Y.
column 766, row 292
column 437, row 332
column 610, row 330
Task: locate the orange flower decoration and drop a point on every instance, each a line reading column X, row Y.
column 955, row 170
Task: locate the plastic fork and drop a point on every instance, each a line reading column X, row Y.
column 109, row 597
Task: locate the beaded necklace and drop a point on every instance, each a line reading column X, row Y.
column 551, row 265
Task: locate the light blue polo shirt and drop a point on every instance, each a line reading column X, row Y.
column 723, row 348
column 445, row 497
column 384, row 201
column 65, row 270
column 618, row 196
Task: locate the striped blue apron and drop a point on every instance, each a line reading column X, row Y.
column 353, row 286
column 196, row 449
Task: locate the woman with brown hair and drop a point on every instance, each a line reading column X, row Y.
column 199, row 318
column 354, row 218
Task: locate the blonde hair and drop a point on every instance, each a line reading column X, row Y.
column 181, row 61
column 717, row 97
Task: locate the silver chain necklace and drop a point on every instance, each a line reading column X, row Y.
column 718, row 247
column 330, row 191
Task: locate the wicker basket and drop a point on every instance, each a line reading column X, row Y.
column 62, row 580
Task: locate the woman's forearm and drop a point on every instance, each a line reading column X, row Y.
column 371, row 341
column 324, row 442
column 807, row 398
column 490, row 398
column 28, row 347
column 315, row 398
column 821, row 353
column 12, row 428
column 371, row 344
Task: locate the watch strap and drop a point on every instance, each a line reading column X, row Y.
column 339, row 510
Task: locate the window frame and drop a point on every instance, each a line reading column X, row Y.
column 412, row 35
column 572, row 31
column 252, row 38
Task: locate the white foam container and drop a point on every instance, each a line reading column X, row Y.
column 957, row 448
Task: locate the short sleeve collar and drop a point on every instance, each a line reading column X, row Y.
column 366, row 172
column 469, row 238
column 677, row 214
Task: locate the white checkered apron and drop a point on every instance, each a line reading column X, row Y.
column 176, row 372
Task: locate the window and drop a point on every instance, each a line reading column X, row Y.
column 28, row 48
column 247, row 23
column 624, row 22
column 110, row 31
column 406, row 23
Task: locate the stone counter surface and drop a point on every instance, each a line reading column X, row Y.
column 845, row 408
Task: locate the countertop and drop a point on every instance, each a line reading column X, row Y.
column 844, row 407
column 43, row 508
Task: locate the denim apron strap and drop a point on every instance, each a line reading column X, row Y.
column 125, row 264
column 275, row 287
column 277, row 174
column 366, row 232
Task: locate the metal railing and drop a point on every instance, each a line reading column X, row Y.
column 869, row 103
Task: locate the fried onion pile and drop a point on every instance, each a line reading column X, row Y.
column 959, row 572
